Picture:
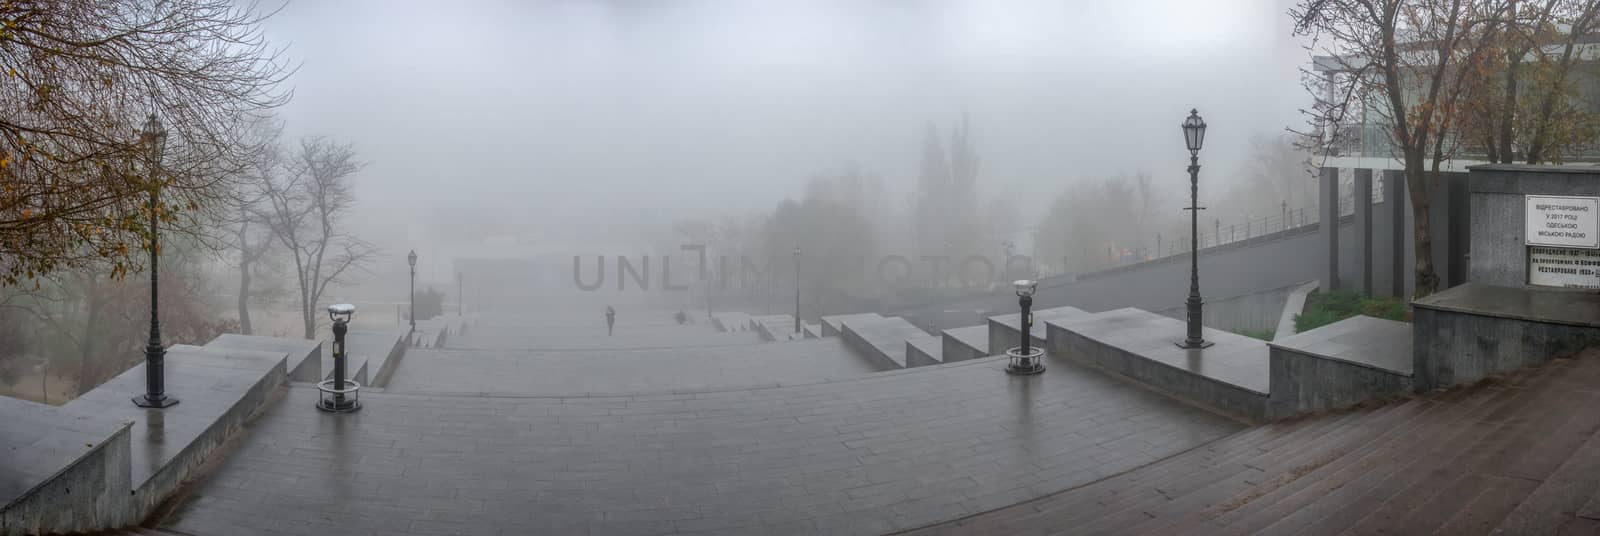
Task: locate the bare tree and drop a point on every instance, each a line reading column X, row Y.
column 305, row 206
column 79, row 76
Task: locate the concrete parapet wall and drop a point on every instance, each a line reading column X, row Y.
column 304, row 356
column 89, row 492
column 1467, row 347
column 218, row 426
column 1064, row 342
column 1306, row 383
column 1294, row 306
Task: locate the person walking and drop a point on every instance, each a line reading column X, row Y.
column 611, row 319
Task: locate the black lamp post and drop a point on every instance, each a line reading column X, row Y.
column 412, row 259
column 797, row 290
column 338, row 394
column 461, row 288
column 154, row 137
column 1025, row 360
column 1194, row 134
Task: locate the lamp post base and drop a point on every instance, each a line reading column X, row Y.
column 144, row 401
column 1025, row 364
column 1194, row 345
column 335, row 400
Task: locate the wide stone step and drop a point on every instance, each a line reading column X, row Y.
column 961, row 344
column 881, row 340
column 833, row 325
column 924, row 351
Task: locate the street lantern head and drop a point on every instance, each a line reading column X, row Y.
column 1025, row 287
column 341, row 312
column 1194, row 131
column 412, row 258
column 156, row 136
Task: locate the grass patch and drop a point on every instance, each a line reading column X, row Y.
column 1323, row 308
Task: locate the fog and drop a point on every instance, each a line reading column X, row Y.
column 575, row 121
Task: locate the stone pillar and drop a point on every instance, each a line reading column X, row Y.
column 1397, row 196
column 1328, row 225
column 1361, row 189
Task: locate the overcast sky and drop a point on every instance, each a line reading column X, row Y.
column 573, row 110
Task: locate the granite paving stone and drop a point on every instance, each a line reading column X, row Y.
column 860, row 455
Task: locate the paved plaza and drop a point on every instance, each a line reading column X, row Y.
column 882, row 452
column 626, row 370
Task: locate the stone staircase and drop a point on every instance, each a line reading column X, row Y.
column 1514, row 455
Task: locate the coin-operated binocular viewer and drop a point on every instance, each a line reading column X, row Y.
column 1025, row 359
column 339, row 395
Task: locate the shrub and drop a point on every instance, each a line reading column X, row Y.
column 1323, row 308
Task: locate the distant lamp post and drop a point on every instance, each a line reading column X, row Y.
column 412, row 259
column 461, row 289
column 1025, row 359
column 339, row 395
column 797, row 290
column 154, row 138
column 1194, row 135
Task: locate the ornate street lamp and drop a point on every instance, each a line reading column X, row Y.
column 154, row 138
column 412, row 259
column 797, row 290
column 1194, row 135
column 339, row 395
column 1025, row 359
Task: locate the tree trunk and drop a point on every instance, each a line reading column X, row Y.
column 311, row 324
column 87, row 369
column 1427, row 280
column 244, row 298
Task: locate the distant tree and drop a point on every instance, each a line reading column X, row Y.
column 84, row 323
column 1524, row 102
column 1085, row 225
column 945, row 213
column 430, row 304
column 306, row 206
column 79, row 76
column 831, row 227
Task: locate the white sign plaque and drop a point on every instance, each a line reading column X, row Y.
column 1572, row 222
column 1564, row 267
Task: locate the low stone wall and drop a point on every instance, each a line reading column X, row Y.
column 70, row 472
column 1473, row 331
column 1104, row 341
column 1355, row 360
column 1306, row 383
